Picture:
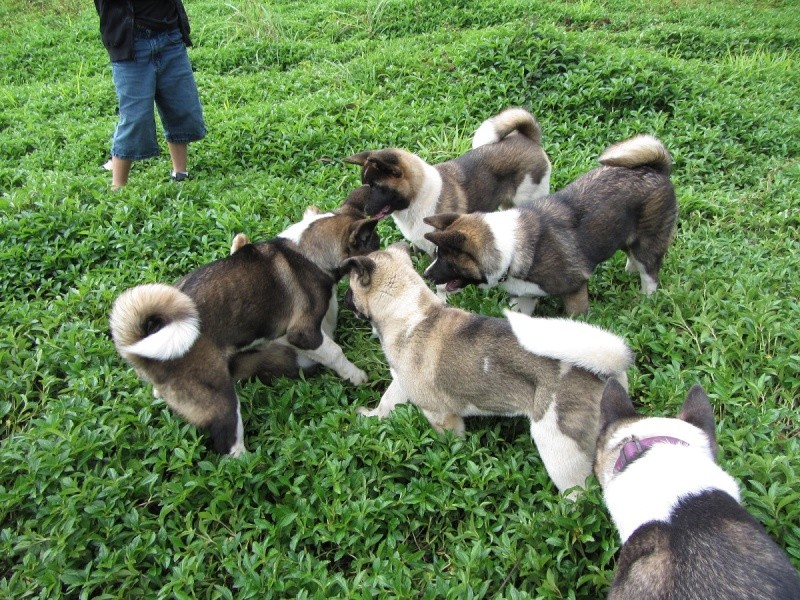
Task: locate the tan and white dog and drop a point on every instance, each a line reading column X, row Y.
column 451, row 363
column 684, row 534
column 552, row 246
column 506, row 167
column 194, row 339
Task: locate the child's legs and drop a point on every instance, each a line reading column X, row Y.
column 176, row 93
column 135, row 83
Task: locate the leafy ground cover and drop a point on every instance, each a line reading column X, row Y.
column 104, row 493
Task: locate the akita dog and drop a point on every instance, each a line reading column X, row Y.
column 194, row 339
column 684, row 534
column 506, row 167
column 452, row 364
column 551, row 247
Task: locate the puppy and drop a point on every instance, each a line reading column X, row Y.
column 551, row 246
column 506, row 167
column 684, row 534
column 452, row 364
column 194, row 339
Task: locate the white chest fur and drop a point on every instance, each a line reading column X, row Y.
column 424, row 204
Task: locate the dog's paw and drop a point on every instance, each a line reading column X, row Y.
column 237, row 450
column 369, row 413
column 357, row 377
column 523, row 304
column 156, row 393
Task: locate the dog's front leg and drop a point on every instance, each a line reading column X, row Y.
column 330, row 354
column 393, row 396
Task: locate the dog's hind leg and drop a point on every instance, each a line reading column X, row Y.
column 566, row 463
column 393, row 396
column 226, row 428
column 647, row 274
column 577, row 303
column 442, row 422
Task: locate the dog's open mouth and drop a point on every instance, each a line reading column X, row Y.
column 384, row 212
column 454, row 285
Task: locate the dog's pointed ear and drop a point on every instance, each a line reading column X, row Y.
column 615, row 404
column 442, row 220
column 358, row 159
column 697, row 411
column 363, row 237
column 362, row 265
column 311, row 211
column 448, row 239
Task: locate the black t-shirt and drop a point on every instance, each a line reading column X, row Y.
column 158, row 15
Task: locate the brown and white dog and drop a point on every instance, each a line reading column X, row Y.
column 684, row 534
column 506, row 167
column 451, row 363
column 552, row 246
column 194, row 339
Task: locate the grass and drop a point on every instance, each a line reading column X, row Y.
column 106, row 494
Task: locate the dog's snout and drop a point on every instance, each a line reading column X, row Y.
column 348, row 299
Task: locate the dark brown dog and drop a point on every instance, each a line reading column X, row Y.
column 552, row 246
column 684, row 534
column 194, row 339
column 507, row 167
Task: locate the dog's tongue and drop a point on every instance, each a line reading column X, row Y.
column 454, row 285
column 384, row 212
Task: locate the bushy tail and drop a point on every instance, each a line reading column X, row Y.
column 154, row 321
column 638, row 151
column 510, row 120
column 574, row 342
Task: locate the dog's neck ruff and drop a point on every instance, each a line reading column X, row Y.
column 425, row 204
column 636, row 447
column 503, row 226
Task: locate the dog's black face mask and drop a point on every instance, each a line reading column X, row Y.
column 383, row 201
column 443, row 270
column 350, row 303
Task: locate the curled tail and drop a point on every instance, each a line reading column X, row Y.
column 638, row 151
column 502, row 124
column 154, row 321
column 574, row 342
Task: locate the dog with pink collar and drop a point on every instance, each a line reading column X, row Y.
column 684, row 532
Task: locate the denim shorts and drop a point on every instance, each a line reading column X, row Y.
column 159, row 74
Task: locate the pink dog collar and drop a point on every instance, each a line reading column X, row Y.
column 635, row 448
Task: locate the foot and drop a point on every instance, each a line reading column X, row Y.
column 179, row 176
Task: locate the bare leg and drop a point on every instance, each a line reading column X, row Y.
column 178, row 154
column 120, row 169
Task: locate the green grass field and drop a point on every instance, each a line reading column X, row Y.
column 104, row 493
